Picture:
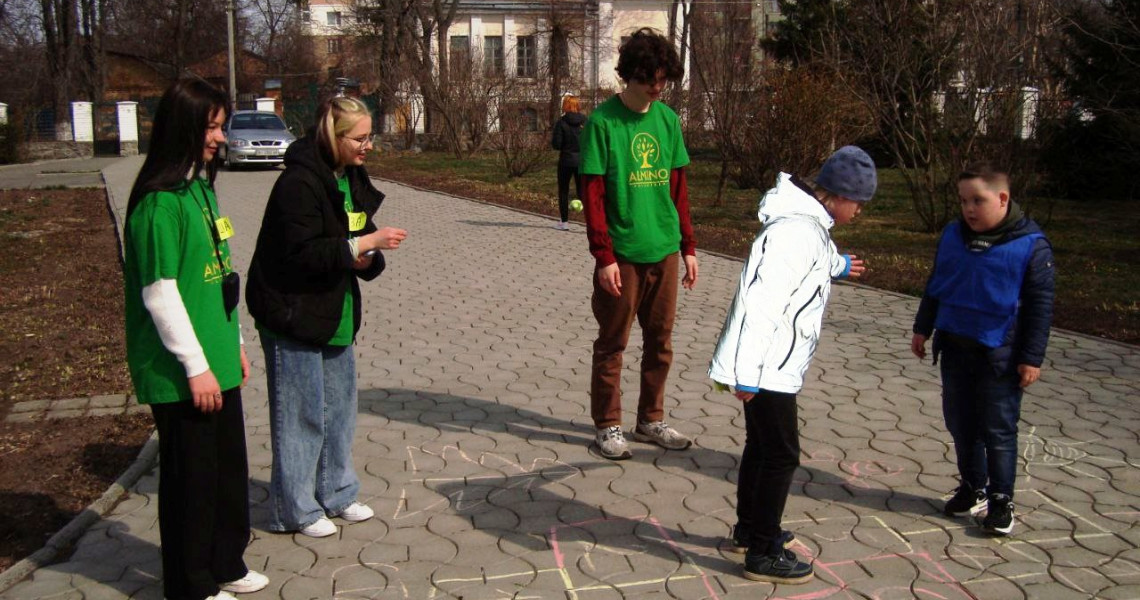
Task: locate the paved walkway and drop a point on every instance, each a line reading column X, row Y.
column 473, row 432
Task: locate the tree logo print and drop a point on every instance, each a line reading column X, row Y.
column 645, row 149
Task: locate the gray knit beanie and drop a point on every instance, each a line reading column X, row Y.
column 849, row 173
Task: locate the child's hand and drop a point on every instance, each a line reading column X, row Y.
column 1029, row 374
column 609, row 277
column 918, row 345
column 744, row 396
column 385, row 238
column 858, row 267
column 690, row 278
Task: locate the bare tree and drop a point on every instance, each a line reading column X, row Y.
column 174, row 32
column 944, row 82
column 723, row 79
column 74, row 32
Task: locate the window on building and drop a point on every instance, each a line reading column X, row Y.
column 530, row 119
column 306, row 16
column 334, row 18
column 527, row 55
column 493, row 55
column 335, row 45
column 459, row 50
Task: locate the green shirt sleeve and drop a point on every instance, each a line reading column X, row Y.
column 156, row 231
column 680, row 154
column 592, row 146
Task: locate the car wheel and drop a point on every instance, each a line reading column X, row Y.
column 226, row 158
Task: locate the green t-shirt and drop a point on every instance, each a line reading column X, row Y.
column 343, row 335
column 636, row 153
column 168, row 237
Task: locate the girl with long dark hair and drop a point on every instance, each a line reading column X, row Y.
column 317, row 241
column 184, row 347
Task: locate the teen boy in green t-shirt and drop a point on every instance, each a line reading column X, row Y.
column 637, row 218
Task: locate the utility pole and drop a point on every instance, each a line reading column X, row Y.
column 233, row 67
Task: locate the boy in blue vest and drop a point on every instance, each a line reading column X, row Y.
column 990, row 298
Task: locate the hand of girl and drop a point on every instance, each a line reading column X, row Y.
column 385, row 238
column 205, row 392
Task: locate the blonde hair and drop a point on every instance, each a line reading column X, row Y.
column 335, row 118
column 570, row 104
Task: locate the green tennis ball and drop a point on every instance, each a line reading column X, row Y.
column 576, row 205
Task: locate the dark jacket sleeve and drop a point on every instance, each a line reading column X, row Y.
column 1036, row 313
column 928, row 307
column 296, row 216
column 556, row 140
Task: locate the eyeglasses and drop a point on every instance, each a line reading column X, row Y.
column 360, row 142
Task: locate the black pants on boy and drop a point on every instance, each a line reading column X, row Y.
column 564, row 175
column 771, row 455
column 203, row 496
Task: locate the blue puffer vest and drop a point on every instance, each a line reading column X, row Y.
column 978, row 292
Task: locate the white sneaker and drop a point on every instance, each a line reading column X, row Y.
column 320, row 528
column 611, row 443
column 221, row 596
column 252, row 582
column 357, row 512
column 660, row 433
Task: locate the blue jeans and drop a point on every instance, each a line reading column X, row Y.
column 312, row 410
column 981, row 409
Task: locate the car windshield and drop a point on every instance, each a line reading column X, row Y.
column 256, row 121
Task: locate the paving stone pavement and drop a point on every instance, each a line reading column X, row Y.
column 473, row 433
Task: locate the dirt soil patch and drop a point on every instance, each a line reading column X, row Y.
column 61, row 336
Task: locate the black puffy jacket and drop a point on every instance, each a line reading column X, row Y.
column 565, row 138
column 302, row 266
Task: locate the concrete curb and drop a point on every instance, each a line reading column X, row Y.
column 83, row 521
column 96, row 510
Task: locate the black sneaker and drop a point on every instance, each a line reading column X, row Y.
column 740, row 539
column 966, row 502
column 999, row 516
column 781, row 567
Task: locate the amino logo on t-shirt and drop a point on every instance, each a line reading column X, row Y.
column 646, row 152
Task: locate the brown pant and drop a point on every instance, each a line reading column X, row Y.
column 649, row 292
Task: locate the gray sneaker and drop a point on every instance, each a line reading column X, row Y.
column 660, row 433
column 611, row 443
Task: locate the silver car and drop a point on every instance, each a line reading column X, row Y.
column 255, row 137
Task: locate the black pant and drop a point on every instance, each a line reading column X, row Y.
column 771, row 455
column 203, row 496
column 564, row 175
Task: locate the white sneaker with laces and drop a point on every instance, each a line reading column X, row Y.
column 662, row 434
column 252, row 582
column 612, row 444
column 320, row 528
column 357, row 512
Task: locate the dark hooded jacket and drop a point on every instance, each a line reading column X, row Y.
column 302, row 266
column 1025, row 341
column 565, row 138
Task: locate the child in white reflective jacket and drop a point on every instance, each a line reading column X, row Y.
column 769, row 339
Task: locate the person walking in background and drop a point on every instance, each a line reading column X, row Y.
column 317, row 240
column 637, row 219
column 184, row 347
column 769, row 340
column 565, row 141
column 989, row 304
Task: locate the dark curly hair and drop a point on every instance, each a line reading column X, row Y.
column 645, row 53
